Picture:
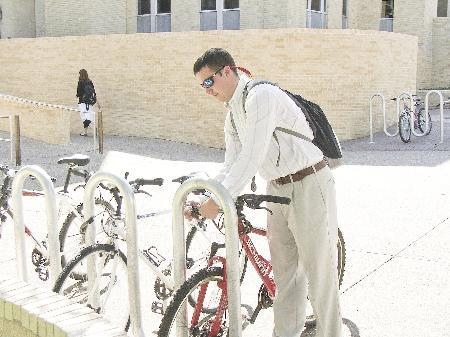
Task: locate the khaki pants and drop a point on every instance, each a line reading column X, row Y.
column 302, row 238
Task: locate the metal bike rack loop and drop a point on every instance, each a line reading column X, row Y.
column 441, row 108
column 231, row 244
column 132, row 256
column 19, row 228
column 383, row 101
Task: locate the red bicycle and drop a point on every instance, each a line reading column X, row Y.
column 205, row 291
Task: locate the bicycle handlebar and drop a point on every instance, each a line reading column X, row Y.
column 254, row 201
column 143, row 182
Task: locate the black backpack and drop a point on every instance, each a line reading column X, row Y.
column 324, row 137
column 89, row 96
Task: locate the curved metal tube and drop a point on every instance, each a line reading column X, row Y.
column 19, row 226
column 231, row 244
column 441, row 108
column 132, row 256
column 383, row 101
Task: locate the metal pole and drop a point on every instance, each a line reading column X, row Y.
column 231, row 244
column 441, row 108
column 384, row 116
column 132, row 257
column 11, row 133
column 100, row 128
column 19, row 226
column 17, row 140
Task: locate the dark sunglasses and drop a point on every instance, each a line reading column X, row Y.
column 209, row 82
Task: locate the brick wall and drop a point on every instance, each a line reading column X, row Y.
column 364, row 14
column 18, row 19
column 28, row 311
column 441, row 52
column 146, row 87
column 334, row 10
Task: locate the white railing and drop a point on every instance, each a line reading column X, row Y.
column 19, row 225
column 344, row 22
column 231, row 245
column 208, row 20
column 383, row 101
column 387, row 24
column 231, row 19
column 316, row 19
column 153, row 23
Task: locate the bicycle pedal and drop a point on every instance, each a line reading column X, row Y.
column 158, row 308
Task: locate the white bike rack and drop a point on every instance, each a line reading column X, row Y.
column 384, row 117
column 132, row 256
column 441, row 108
column 231, row 244
column 19, row 228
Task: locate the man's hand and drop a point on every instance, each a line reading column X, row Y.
column 209, row 209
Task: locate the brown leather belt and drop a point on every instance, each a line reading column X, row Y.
column 297, row 176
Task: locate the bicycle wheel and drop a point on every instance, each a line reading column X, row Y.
column 110, row 283
column 71, row 235
column 341, row 255
column 208, row 281
column 404, row 127
column 422, row 121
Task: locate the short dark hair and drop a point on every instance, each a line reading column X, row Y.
column 214, row 58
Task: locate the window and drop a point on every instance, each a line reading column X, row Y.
column 154, row 16
column 344, row 14
column 316, row 14
column 143, row 7
column 443, row 8
column 387, row 16
column 219, row 14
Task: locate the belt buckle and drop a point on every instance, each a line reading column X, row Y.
column 291, row 178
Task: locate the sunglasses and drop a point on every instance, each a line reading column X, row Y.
column 209, row 82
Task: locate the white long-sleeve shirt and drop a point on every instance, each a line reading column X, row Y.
column 253, row 148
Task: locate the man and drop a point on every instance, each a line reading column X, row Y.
column 303, row 235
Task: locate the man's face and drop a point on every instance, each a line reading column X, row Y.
column 223, row 85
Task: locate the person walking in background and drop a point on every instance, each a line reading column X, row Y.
column 86, row 99
column 303, row 235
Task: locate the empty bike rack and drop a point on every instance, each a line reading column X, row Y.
column 19, row 228
column 132, row 257
column 384, row 117
column 441, row 108
column 231, row 244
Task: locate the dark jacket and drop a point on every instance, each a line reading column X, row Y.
column 80, row 90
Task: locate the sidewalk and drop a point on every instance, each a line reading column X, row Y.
column 393, row 204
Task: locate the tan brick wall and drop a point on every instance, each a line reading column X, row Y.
column 85, row 17
column 415, row 17
column 18, row 19
column 185, row 15
column 146, row 86
column 334, row 10
column 43, row 123
column 441, row 52
column 29, row 311
column 364, row 14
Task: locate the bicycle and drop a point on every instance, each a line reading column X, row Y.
column 111, row 265
column 68, row 205
column 420, row 116
column 208, row 286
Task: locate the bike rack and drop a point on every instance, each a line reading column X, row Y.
column 231, row 244
column 19, row 226
column 132, row 257
column 384, row 117
column 441, row 108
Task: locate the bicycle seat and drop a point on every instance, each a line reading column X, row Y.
column 76, row 159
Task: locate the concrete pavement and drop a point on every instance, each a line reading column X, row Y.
column 394, row 209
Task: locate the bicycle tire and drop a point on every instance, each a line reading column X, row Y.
column 167, row 325
column 68, row 224
column 421, row 121
column 310, row 319
column 404, row 127
column 76, row 288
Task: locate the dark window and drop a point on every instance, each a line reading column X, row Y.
column 230, row 4
column 387, row 9
column 208, row 5
column 344, row 8
column 143, row 7
column 163, row 6
column 442, row 8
